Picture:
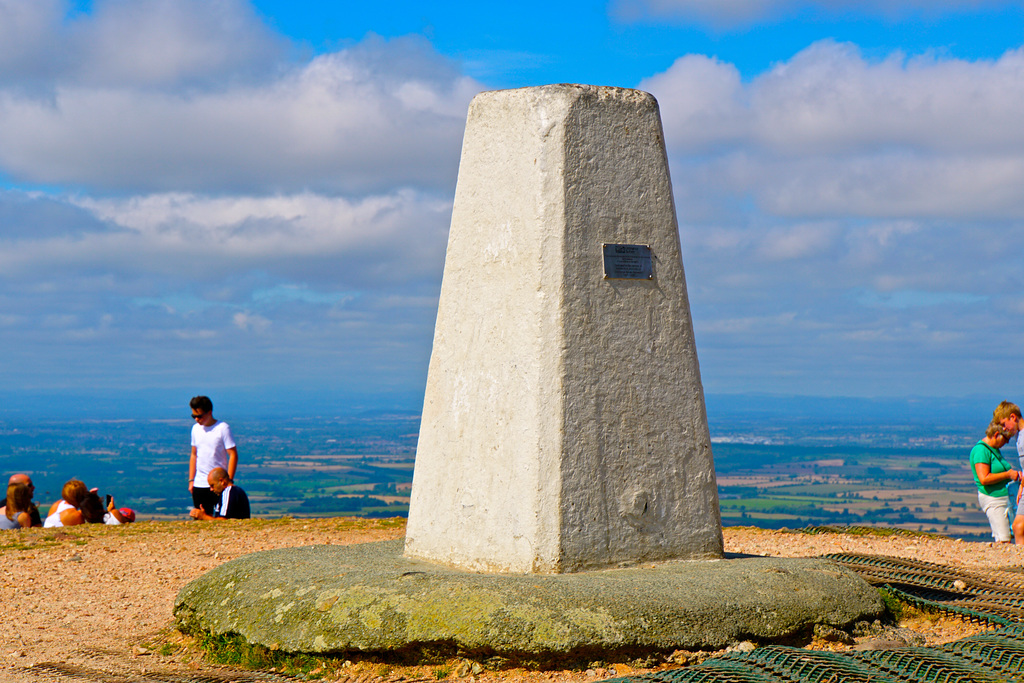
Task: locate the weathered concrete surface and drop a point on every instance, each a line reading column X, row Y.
column 564, row 425
column 368, row 597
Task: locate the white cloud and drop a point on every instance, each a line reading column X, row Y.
column 829, row 133
column 139, row 43
column 799, row 241
column 249, row 322
column 220, row 201
column 285, row 219
column 871, row 206
column 27, row 29
column 329, row 125
column 829, row 99
column 165, row 42
column 703, row 102
column 733, row 13
column 161, row 95
column 280, row 289
column 383, row 238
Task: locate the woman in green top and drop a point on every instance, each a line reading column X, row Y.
column 991, row 473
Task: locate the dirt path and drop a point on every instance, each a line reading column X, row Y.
column 94, row 603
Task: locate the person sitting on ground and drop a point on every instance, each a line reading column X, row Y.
column 93, row 512
column 65, row 511
column 91, row 508
column 991, row 474
column 33, row 510
column 233, row 504
column 17, row 515
column 117, row 516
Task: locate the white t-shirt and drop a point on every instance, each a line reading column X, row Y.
column 211, row 444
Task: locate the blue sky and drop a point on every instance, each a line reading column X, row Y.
column 251, row 199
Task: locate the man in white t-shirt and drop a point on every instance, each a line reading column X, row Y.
column 212, row 447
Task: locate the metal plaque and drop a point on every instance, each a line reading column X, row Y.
column 627, row 262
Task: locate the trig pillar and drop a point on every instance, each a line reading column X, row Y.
column 563, row 423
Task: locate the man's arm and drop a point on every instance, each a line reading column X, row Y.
column 200, row 514
column 232, row 462
column 191, row 469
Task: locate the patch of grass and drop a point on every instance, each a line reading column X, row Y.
column 864, row 531
column 32, row 539
column 915, row 613
column 233, row 650
column 893, row 606
column 442, row 672
column 22, row 545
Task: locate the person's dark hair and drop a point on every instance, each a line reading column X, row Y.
column 202, row 403
column 19, row 499
column 92, row 508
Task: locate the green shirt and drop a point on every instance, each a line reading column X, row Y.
column 984, row 454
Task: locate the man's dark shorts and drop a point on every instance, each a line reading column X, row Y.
column 204, row 498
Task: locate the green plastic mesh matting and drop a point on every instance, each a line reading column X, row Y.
column 994, row 598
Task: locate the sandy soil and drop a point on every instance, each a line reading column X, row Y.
column 94, row 603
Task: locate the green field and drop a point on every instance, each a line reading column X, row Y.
column 920, row 489
column 319, row 467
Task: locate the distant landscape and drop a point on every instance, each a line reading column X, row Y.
column 312, row 467
column 784, row 473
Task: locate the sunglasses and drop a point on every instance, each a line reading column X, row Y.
column 199, row 416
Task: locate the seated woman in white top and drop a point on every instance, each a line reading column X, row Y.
column 65, row 511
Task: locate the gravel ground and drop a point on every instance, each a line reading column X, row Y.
column 94, row 603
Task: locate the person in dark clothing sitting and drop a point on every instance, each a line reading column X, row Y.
column 234, row 504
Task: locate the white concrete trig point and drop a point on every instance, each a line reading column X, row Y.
column 563, row 422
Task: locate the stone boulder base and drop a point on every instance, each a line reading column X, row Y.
column 344, row 599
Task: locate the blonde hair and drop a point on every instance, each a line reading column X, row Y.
column 996, row 429
column 19, row 498
column 74, row 492
column 1005, row 410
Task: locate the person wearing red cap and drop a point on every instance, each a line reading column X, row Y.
column 116, row 515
